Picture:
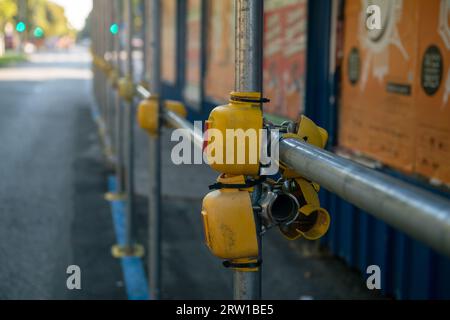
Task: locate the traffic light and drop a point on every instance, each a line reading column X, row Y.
column 21, row 27
column 38, row 32
column 114, row 29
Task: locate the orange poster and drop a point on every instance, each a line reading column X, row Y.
column 377, row 115
column 433, row 91
column 192, row 90
column 219, row 81
column 168, row 45
column 285, row 24
column 396, row 86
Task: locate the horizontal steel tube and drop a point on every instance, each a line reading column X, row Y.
column 142, row 92
column 177, row 122
column 419, row 213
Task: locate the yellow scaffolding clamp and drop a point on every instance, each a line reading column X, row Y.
column 126, row 88
column 312, row 221
column 229, row 224
column 290, row 203
column 241, row 117
column 228, row 215
column 148, row 113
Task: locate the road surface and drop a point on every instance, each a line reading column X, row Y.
column 52, row 214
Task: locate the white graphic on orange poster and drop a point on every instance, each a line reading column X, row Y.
column 444, row 31
column 375, row 42
column 444, row 18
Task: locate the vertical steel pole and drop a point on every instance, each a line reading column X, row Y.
column 108, row 48
column 129, row 22
column 93, row 47
column 118, row 102
column 111, row 103
column 155, row 159
column 97, row 52
column 102, row 55
column 145, row 77
column 103, row 75
column 249, row 33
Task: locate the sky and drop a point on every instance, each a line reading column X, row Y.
column 76, row 11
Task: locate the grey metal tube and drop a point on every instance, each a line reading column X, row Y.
column 119, row 142
column 142, row 92
column 420, row 214
column 249, row 33
column 174, row 120
column 109, row 88
column 146, row 18
column 130, row 119
column 248, row 73
column 244, row 285
column 155, row 161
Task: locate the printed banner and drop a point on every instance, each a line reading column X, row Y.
column 285, row 23
column 219, row 81
column 192, row 90
column 168, row 45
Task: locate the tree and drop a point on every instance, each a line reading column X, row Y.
column 8, row 10
column 49, row 17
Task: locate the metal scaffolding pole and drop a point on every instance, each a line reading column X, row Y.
column 105, row 18
column 94, row 49
column 130, row 121
column 420, row 214
column 155, row 158
column 109, row 90
column 249, row 32
column 119, row 141
column 146, row 35
column 101, row 41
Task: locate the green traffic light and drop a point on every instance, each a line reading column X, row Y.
column 21, row 27
column 38, row 32
column 114, row 29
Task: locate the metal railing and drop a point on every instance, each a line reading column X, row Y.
column 419, row 213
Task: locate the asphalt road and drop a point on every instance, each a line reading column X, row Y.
column 52, row 214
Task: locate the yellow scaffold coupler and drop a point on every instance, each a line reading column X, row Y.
column 229, row 223
column 148, row 113
column 241, row 117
